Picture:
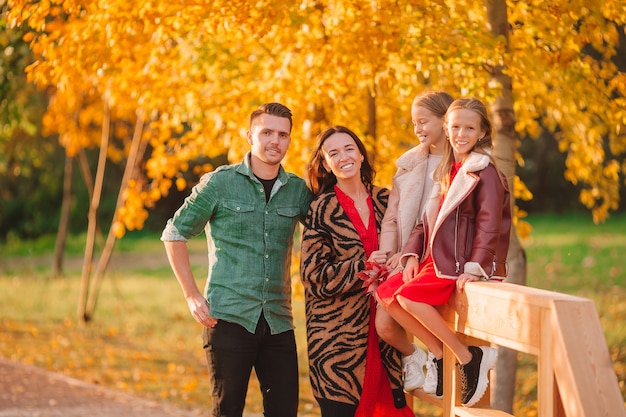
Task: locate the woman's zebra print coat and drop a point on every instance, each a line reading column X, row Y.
column 337, row 307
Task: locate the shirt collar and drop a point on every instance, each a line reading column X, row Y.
column 245, row 168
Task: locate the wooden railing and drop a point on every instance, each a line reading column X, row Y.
column 575, row 374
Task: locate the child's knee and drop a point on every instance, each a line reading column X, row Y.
column 384, row 324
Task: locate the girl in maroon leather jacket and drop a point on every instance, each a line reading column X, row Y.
column 463, row 237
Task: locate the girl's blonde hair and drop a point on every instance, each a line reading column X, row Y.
column 435, row 101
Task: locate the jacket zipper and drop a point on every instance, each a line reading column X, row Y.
column 456, row 238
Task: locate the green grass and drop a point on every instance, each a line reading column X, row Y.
column 143, row 340
column 576, row 257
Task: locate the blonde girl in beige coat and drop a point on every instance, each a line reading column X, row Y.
column 412, row 186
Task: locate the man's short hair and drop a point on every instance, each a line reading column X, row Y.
column 275, row 109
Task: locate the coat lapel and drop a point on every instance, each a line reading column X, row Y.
column 463, row 184
column 410, row 182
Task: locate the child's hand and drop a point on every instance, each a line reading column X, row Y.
column 465, row 278
column 411, row 269
column 394, row 261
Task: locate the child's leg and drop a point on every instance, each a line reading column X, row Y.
column 413, row 358
column 434, row 324
column 474, row 362
column 393, row 333
column 416, row 328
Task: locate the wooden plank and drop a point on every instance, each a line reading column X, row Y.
column 450, row 393
column 481, row 412
column 545, row 368
column 516, row 293
column 429, row 398
column 575, row 373
column 587, row 381
column 501, row 313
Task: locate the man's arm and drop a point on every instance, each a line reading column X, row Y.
column 178, row 256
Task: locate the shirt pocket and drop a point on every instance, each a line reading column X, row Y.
column 286, row 220
column 240, row 216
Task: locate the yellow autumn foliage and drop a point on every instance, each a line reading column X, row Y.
column 197, row 68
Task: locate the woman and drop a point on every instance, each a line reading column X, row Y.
column 340, row 235
column 463, row 237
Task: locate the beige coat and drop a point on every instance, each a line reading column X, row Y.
column 405, row 199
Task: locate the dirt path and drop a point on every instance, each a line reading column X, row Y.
column 119, row 261
column 27, row 391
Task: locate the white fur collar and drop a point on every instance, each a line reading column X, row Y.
column 411, row 157
column 475, row 162
column 463, row 183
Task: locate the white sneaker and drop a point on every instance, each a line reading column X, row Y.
column 430, row 383
column 413, row 369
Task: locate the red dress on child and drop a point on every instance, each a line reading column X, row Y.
column 426, row 287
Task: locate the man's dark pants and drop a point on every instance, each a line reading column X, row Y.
column 232, row 352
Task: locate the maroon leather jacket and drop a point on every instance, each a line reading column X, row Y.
column 470, row 232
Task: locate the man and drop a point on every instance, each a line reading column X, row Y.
column 249, row 212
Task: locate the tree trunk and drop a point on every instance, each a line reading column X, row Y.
column 84, row 169
column 92, row 216
column 371, row 122
column 64, row 221
column 107, row 251
column 505, row 146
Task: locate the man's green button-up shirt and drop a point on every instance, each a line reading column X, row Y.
column 249, row 242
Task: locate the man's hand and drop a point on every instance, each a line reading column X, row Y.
column 199, row 308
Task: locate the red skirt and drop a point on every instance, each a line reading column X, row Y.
column 426, row 287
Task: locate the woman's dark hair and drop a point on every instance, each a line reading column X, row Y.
column 319, row 179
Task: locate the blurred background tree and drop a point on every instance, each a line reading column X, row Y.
column 29, row 186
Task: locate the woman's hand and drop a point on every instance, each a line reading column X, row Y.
column 394, row 261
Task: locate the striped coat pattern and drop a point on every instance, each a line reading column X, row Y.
column 337, row 307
